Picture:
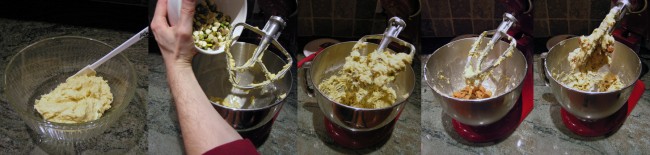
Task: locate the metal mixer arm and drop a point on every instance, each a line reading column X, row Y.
column 395, row 26
column 269, row 35
column 365, row 39
column 500, row 32
column 513, row 44
column 621, row 8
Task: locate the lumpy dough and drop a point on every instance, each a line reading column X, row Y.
column 363, row 80
column 586, row 81
column 472, row 92
column 593, row 53
column 595, row 49
column 79, row 99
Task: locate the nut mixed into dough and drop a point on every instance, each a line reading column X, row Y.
column 79, row 99
column 211, row 27
column 594, row 52
column 472, row 92
column 363, row 80
column 591, row 81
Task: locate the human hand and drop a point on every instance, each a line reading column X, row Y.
column 175, row 42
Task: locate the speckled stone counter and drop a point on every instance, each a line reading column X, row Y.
column 542, row 132
column 164, row 130
column 126, row 136
column 313, row 137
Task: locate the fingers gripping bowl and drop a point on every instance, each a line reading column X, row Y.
column 40, row 67
column 443, row 73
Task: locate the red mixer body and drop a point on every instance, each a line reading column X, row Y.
column 523, row 29
column 633, row 26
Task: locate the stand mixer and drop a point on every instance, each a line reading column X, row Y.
column 247, row 64
column 521, row 104
column 353, row 127
column 487, row 119
column 594, row 114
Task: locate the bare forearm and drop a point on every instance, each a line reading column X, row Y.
column 202, row 127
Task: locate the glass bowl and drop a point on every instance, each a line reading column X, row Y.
column 40, row 67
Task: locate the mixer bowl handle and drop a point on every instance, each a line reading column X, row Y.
column 542, row 67
column 303, row 74
column 411, row 47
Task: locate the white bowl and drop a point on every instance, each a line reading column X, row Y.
column 236, row 9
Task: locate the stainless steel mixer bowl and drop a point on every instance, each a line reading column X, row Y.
column 327, row 63
column 592, row 105
column 443, row 73
column 211, row 72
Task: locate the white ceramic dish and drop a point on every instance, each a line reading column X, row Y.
column 236, row 9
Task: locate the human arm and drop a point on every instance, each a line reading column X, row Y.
column 201, row 126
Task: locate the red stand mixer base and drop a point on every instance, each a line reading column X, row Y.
column 507, row 125
column 594, row 128
column 606, row 125
column 259, row 135
column 359, row 139
column 491, row 132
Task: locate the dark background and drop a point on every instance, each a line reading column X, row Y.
column 123, row 15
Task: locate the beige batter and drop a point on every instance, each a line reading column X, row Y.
column 594, row 52
column 80, row 99
column 363, row 80
column 474, row 77
column 233, row 101
column 588, row 81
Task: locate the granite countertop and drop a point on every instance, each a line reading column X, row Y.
column 126, row 136
column 314, row 138
column 542, row 132
column 164, row 130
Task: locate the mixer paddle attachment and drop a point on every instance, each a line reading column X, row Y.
column 395, row 26
column 594, row 51
column 474, row 72
column 269, row 34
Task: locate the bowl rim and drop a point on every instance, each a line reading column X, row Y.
column 393, row 105
column 85, row 125
column 426, row 78
column 561, row 43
